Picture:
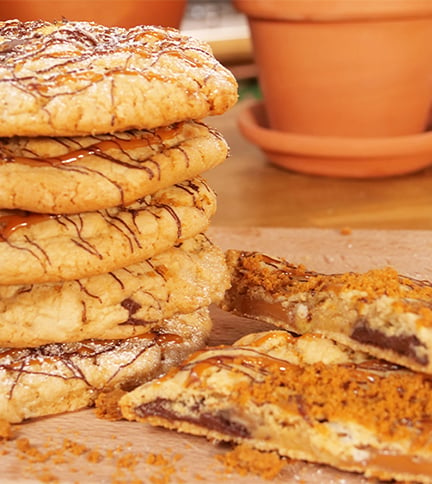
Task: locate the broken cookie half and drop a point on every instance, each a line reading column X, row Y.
column 380, row 311
column 305, row 397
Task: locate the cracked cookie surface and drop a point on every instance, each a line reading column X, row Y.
column 79, row 78
column 120, row 304
column 58, row 378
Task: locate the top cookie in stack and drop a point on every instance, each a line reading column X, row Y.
column 78, row 78
column 103, row 208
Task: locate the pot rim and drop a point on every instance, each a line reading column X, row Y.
column 333, row 10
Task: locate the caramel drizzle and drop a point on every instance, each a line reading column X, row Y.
column 12, row 222
column 99, row 149
column 251, row 361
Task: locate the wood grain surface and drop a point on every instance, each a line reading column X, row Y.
column 80, row 448
column 253, row 192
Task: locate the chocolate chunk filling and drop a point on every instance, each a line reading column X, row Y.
column 132, row 307
column 402, row 345
column 219, row 421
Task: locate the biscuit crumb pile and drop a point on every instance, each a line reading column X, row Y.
column 246, row 460
column 55, row 459
column 50, row 461
column 107, row 405
column 6, row 430
column 107, row 271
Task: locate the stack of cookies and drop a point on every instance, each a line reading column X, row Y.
column 107, row 274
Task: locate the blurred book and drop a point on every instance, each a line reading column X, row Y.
column 225, row 29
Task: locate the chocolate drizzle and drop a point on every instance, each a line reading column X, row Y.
column 12, row 221
column 69, row 69
column 10, row 46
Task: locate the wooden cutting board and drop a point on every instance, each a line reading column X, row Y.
column 80, row 448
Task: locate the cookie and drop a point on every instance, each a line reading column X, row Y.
column 58, row 378
column 37, row 248
column 82, row 174
column 307, row 398
column 120, row 304
column 380, row 311
column 78, row 78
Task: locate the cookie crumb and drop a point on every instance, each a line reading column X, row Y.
column 74, row 448
column 156, row 460
column 48, row 477
column 107, row 407
column 166, row 469
column 6, row 430
column 94, row 456
column 244, row 460
column 31, row 453
column 346, row 231
column 128, row 461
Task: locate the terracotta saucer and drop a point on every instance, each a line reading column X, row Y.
column 334, row 156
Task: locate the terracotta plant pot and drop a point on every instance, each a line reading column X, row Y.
column 359, row 68
column 336, row 156
column 125, row 13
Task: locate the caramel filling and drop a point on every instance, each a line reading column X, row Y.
column 400, row 464
column 275, row 313
column 260, row 309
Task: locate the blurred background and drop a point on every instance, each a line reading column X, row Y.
column 226, row 29
column 252, row 191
